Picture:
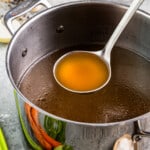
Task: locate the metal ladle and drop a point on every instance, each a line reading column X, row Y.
column 105, row 53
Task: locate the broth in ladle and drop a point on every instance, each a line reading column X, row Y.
column 126, row 96
column 81, row 71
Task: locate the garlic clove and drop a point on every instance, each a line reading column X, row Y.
column 124, row 143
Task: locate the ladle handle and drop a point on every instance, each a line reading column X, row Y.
column 22, row 9
column 121, row 26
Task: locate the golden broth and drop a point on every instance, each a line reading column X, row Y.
column 81, row 71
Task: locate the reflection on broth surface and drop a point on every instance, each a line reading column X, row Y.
column 126, row 96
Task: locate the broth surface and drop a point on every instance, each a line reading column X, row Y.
column 126, row 96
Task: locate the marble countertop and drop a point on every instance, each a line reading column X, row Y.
column 8, row 114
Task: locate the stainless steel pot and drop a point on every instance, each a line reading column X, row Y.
column 51, row 30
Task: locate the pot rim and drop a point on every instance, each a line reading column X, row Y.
column 15, row 36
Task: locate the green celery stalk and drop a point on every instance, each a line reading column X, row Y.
column 34, row 145
column 3, row 144
column 59, row 147
column 63, row 147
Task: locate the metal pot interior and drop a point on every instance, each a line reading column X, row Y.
column 41, row 41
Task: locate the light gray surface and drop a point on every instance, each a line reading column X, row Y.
column 8, row 115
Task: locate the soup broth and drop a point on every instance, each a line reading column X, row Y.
column 126, row 95
column 81, row 71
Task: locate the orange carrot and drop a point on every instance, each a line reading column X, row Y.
column 53, row 142
column 35, row 129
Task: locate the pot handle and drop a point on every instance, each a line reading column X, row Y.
column 140, row 133
column 22, row 9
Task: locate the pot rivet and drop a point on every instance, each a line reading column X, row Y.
column 24, row 52
column 60, row 29
column 136, row 138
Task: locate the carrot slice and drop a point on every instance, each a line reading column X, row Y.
column 35, row 129
column 53, row 142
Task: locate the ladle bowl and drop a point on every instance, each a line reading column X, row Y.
column 104, row 54
column 81, row 85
